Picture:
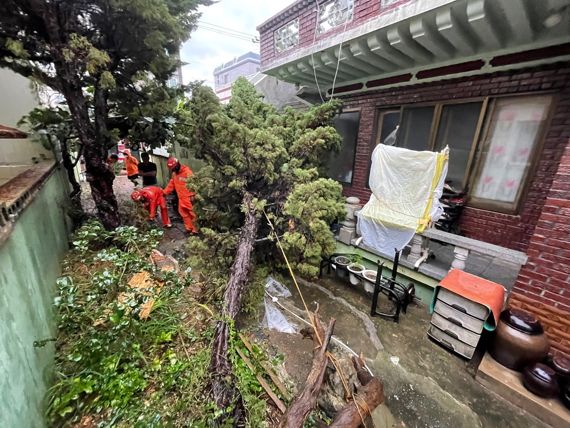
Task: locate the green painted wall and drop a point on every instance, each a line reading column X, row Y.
column 162, row 173
column 184, row 156
column 29, row 266
column 424, row 284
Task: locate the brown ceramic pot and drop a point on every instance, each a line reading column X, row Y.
column 565, row 395
column 561, row 366
column 540, row 380
column 519, row 340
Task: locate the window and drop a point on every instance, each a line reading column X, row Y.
column 511, row 140
column 340, row 165
column 287, row 36
column 457, row 128
column 388, row 123
column 491, row 143
column 441, row 125
column 414, row 134
column 334, row 13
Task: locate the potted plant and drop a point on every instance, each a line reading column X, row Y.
column 355, row 268
column 369, row 280
column 341, row 263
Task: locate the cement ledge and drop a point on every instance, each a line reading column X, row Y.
column 19, row 192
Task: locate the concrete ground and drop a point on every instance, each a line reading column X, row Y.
column 425, row 385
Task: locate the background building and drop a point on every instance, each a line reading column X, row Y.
column 224, row 75
column 276, row 92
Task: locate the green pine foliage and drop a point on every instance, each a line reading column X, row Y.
column 277, row 157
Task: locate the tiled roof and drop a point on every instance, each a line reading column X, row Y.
column 7, row 132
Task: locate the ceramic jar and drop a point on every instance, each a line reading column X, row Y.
column 561, row 366
column 541, row 380
column 565, row 395
column 519, row 340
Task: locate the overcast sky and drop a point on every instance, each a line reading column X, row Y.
column 207, row 49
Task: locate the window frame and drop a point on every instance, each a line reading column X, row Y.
column 512, row 208
column 280, row 28
column 475, row 162
column 380, row 115
column 349, row 19
column 359, row 111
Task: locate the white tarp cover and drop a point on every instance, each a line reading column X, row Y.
column 406, row 186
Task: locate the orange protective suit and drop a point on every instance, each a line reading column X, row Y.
column 131, row 163
column 154, row 198
column 185, row 196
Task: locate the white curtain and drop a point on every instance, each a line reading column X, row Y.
column 510, row 143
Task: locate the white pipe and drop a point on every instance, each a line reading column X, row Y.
column 423, row 258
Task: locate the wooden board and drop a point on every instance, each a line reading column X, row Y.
column 508, row 384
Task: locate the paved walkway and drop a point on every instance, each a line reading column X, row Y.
column 123, row 189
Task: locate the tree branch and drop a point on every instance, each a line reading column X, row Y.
column 306, row 401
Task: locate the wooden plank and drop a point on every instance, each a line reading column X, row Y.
column 263, row 383
column 268, row 369
column 508, row 384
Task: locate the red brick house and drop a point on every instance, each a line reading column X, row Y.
column 488, row 78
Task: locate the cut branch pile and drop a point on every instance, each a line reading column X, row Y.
column 306, row 401
column 358, row 408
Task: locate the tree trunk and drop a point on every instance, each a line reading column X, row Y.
column 69, row 82
column 99, row 175
column 369, row 396
column 306, row 401
column 68, row 165
column 223, row 389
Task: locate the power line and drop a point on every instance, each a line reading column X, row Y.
column 228, row 34
column 217, row 30
column 227, row 29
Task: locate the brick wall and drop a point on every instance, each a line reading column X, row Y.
column 364, row 10
column 546, row 277
column 512, row 231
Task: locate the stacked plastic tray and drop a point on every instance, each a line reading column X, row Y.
column 457, row 323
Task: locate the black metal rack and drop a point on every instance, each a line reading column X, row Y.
column 399, row 294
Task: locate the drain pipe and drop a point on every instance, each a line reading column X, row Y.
column 423, row 258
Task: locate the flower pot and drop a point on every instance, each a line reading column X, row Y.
column 369, row 280
column 519, row 340
column 355, row 268
column 341, row 263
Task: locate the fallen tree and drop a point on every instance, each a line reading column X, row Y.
column 369, row 396
column 306, row 401
column 258, row 162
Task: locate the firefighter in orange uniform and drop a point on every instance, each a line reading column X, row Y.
column 132, row 164
column 153, row 197
column 181, row 173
